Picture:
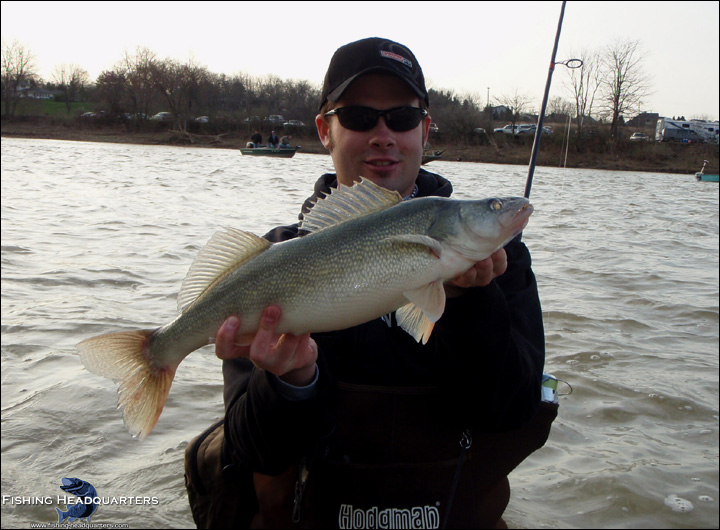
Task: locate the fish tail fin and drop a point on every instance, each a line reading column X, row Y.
column 62, row 515
column 144, row 383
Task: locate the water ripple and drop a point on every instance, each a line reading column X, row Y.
column 98, row 237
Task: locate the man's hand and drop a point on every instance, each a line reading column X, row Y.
column 480, row 274
column 290, row 357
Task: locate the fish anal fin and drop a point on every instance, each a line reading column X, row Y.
column 226, row 250
column 348, row 202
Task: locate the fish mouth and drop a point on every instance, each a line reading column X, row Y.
column 520, row 219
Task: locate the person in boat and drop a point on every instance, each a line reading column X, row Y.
column 285, row 142
column 273, row 140
column 363, row 426
column 256, row 138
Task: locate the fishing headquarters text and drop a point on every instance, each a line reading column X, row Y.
column 71, row 499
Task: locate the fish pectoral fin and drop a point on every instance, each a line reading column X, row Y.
column 417, row 239
column 226, row 250
column 426, row 306
column 429, row 298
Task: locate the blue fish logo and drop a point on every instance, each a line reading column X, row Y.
column 80, row 510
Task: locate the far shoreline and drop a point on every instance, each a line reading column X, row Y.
column 650, row 158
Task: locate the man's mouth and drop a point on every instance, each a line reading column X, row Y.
column 380, row 163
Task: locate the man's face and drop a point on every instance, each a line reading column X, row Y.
column 390, row 159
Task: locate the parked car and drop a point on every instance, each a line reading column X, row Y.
column 479, row 130
column 132, row 116
column 162, row 116
column 294, row 123
column 523, row 129
column 202, row 119
column 93, row 115
column 639, row 137
column 275, row 119
column 434, row 128
column 517, row 130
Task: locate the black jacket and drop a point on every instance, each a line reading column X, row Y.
column 486, row 353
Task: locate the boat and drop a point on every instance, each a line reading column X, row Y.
column 277, row 152
column 429, row 155
column 704, row 177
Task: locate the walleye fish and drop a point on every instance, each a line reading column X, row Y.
column 367, row 253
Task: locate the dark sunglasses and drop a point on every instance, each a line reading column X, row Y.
column 399, row 119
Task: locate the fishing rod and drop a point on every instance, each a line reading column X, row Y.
column 571, row 63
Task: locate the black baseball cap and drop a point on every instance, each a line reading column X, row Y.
column 372, row 55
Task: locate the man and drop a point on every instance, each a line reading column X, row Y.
column 273, row 140
column 256, row 138
column 359, row 426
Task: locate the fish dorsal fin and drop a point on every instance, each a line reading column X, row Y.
column 346, row 202
column 226, row 250
column 426, row 306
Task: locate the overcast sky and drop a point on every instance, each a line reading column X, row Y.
column 462, row 46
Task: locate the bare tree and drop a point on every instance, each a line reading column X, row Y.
column 137, row 74
column 584, row 84
column 72, row 80
column 110, row 90
column 179, row 84
column 18, row 68
column 558, row 106
column 518, row 103
column 624, row 83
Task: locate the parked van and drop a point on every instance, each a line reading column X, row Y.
column 692, row 131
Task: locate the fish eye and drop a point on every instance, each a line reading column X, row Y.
column 495, row 204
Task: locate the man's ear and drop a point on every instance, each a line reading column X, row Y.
column 323, row 129
column 426, row 129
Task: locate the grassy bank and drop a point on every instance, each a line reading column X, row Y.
column 495, row 149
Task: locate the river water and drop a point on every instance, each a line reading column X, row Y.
column 98, row 237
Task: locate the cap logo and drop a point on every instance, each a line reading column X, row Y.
column 395, row 56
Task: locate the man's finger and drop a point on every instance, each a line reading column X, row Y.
column 265, row 337
column 225, row 338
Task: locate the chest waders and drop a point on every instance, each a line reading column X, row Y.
column 390, row 463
